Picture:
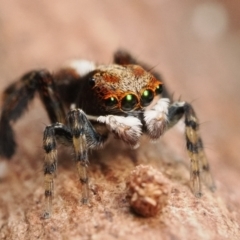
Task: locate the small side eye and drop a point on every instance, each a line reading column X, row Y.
column 159, row 89
column 129, row 102
column 146, row 97
column 91, row 82
column 111, row 101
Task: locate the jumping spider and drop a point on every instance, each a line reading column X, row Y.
column 122, row 98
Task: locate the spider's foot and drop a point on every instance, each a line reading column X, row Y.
column 85, row 193
column 213, row 188
column 197, row 194
column 46, row 215
column 85, row 201
column 207, row 178
column 196, row 187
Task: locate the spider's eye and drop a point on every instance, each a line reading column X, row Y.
column 91, row 82
column 146, row 97
column 111, row 101
column 129, row 102
column 159, row 89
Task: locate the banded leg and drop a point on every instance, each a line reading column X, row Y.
column 84, row 137
column 199, row 165
column 15, row 100
column 51, row 134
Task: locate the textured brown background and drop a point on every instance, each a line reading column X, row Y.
column 196, row 47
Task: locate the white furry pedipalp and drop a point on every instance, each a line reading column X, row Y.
column 156, row 118
column 128, row 129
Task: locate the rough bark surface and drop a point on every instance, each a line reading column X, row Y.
column 195, row 46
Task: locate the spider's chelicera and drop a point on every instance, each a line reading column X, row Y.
column 122, row 98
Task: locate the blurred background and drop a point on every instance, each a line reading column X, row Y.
column 195, row 45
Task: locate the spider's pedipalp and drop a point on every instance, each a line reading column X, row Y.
column 156, row 119
column 128, row 129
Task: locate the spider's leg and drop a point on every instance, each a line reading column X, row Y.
column 199, row 166
column 51, row 134
column 84, row 137
column 123, row 57
column 50, row 97
column 15, row 100
column 68, row 81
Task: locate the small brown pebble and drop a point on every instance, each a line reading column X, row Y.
column 147, row 190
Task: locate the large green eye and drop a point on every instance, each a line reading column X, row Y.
column 111, row 101
column 147, row 97
column 129, row 102
column 159, row 89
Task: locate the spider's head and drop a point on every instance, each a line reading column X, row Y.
column 127, row 88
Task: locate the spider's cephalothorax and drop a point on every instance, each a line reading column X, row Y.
column 121, row 98
column 125, row 88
